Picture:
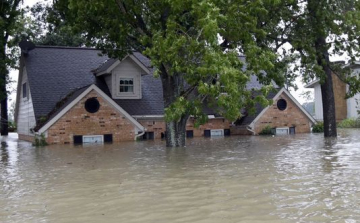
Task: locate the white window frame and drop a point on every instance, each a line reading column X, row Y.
column 136, row 94
column 284, row 128
column 216, row 130
column 91, row 136
column 133, row 85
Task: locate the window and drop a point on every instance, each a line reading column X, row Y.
column 93, row 139
column 214, row 132
column 217, row 132
column 126, row 85
column 89, row 139
column 148, row 135
column 92, row 105
column 189, row 133
column 281, row 104
column 24, row 88
column 282, row 131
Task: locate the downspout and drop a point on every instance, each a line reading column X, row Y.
column 139, row 135
column 249, row 129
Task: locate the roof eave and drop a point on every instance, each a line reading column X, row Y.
column 312, row 84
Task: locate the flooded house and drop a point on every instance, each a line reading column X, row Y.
column 74, row 95
column 344, row 107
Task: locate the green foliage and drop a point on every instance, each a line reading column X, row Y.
column 49, row 26
column 182, row 40
column 318, row 127
column 314, row 31
column 268, row 130
column 349, row 123
column 40, row 140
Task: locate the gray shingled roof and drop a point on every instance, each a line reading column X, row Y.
column 247, row 119
column 55, row 72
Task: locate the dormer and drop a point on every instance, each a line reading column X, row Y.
column 123, row 77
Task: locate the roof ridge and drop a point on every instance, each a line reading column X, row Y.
column 66, row 47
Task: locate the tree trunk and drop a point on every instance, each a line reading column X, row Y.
column 4, row 117
column 172, row 86
column 3, row 94
column 327, row 92
column 328, row 100
column 175, row 133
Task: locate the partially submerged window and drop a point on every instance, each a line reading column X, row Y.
column 24, row 90
column 126, row 85
column 217, row 132
column 93, row 139
column 282, row 131
column 214, row 132
column 148, row 136
column 189, row 133
column 281, row 104
column 226, row 132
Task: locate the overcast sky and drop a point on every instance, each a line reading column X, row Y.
column 14, row 73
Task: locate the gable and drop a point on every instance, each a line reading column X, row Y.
column 126, row 80
column 78, row 103
column 24, row 117
column 292, row 106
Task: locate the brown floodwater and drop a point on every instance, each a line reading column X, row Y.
column 298, row 178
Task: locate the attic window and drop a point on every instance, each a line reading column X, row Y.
column 127, row 85
column 281, row 104
column 24, row 89
column 92, row 105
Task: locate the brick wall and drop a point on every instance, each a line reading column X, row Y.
column 77, row 121
column 292, row 116
column 158, row 126
column 217, row 123
column 339, row 88
column 26, row 138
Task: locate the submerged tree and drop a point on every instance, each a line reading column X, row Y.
column 10, row 16
column 193, row 46
column 316, row 30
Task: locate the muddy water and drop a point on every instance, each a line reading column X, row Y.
column 301, row 178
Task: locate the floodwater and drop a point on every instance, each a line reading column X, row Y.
column 300, row 178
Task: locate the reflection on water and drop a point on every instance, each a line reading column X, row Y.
column 301, row 178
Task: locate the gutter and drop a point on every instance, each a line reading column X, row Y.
column 148, row 116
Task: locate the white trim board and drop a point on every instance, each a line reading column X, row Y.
column 82, row 95
column 283, row 90
column 117, row 62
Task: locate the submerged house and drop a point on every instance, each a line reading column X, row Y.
column 73, row 95
column 344, row 108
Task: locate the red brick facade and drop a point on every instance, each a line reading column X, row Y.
column 292, row 116
column 158, row 126
column 108, row 120
column 77, row 121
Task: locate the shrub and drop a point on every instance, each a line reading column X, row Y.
column 267, row 131
column 349, row 123
column 40, row 140
column 318, row 127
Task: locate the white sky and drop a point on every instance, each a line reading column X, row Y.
column 14, row 73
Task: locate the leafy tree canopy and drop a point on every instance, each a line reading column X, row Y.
column 315, row 30
column 194, row 42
